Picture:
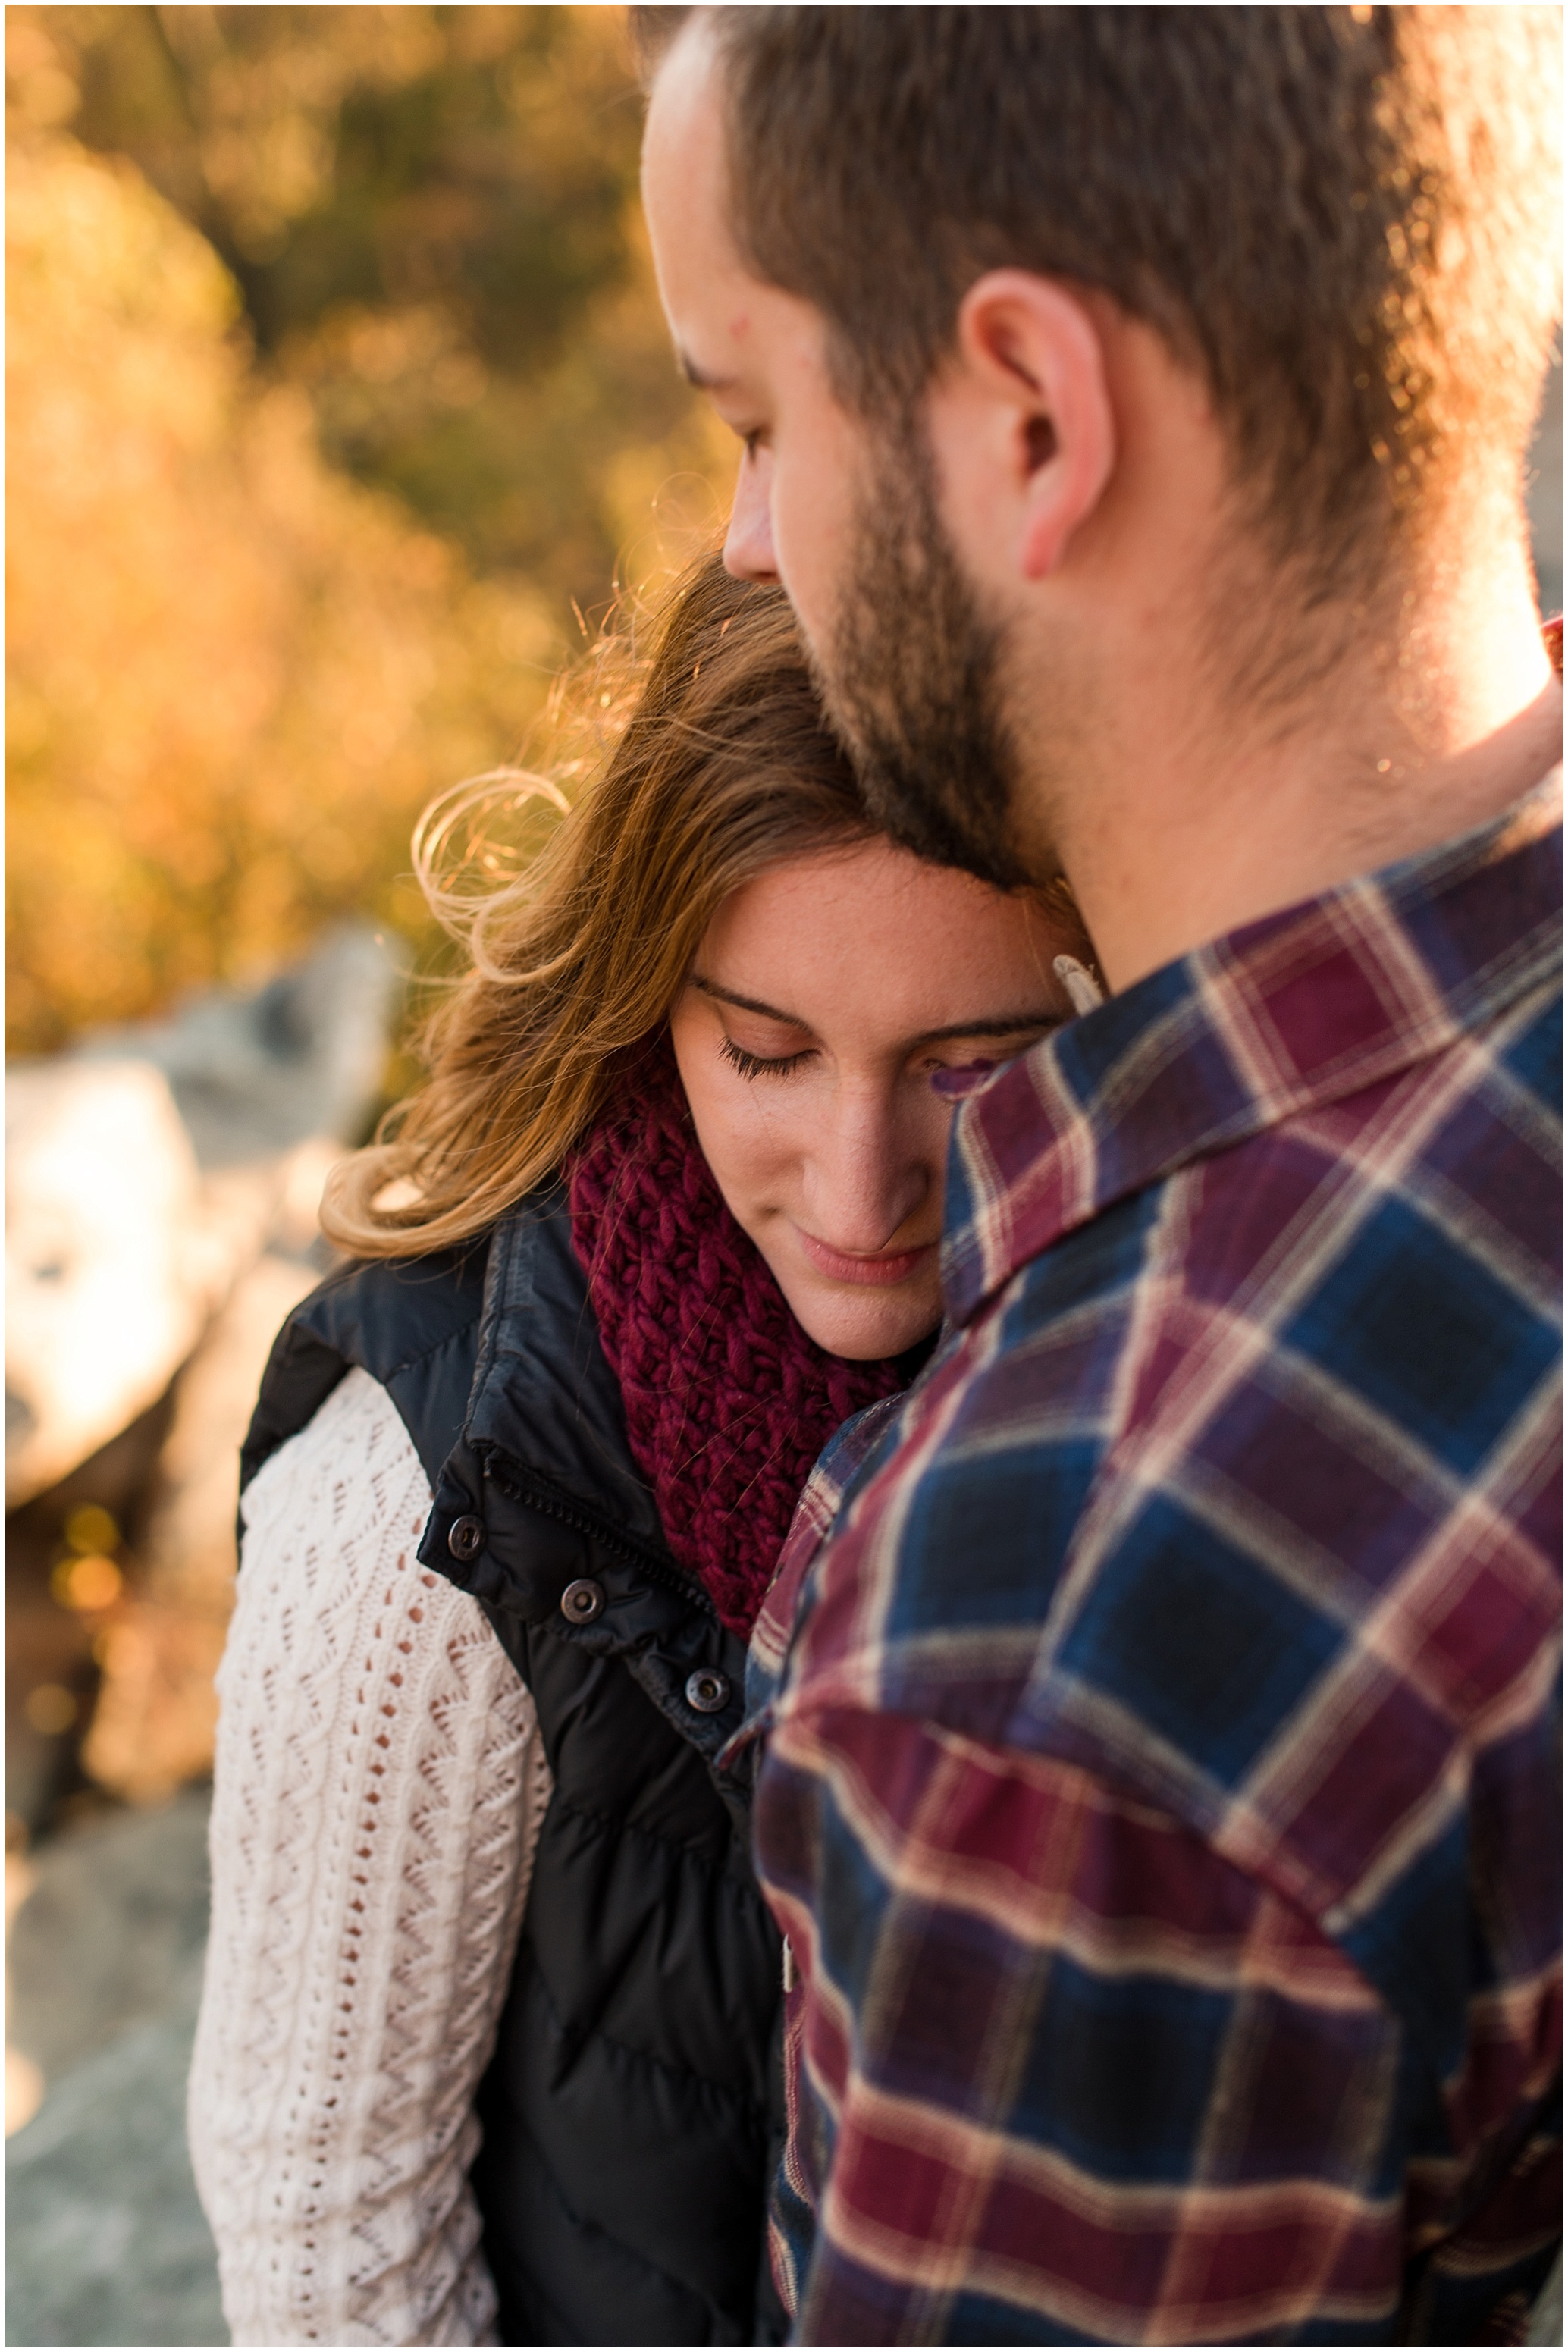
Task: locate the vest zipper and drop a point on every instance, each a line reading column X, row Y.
column 586, row 1522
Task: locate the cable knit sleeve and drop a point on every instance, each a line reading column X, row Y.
column 379, row 1787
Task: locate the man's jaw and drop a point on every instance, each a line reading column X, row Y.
column 935, row 769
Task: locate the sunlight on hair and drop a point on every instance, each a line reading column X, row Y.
column 474, row 868
column 688, row 754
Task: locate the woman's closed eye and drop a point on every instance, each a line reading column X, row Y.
column 758, row 1066
column 988, row 1048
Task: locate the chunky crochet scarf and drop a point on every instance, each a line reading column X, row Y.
column 728, row 1403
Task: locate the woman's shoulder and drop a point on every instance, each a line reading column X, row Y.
column 414, row 1325
column 380, row 1314
column 388, row 1318
column 354, row 1440
column 384, row 1313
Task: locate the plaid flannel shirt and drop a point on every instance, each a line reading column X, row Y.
column 1160, row 1794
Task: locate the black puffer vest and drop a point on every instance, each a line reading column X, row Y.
column 631, row 2110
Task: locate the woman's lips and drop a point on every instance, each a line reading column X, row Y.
column 876, row 1270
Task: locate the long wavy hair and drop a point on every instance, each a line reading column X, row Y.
column 723, row 769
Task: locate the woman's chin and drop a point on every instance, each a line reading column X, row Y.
column 865, row 1326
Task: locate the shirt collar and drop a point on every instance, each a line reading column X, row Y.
column 1290, row 1012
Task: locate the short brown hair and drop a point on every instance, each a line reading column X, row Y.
column 1347, row 217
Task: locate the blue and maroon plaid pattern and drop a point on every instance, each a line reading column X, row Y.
column 1160, row 1795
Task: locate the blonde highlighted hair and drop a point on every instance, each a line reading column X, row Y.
column 724, row 769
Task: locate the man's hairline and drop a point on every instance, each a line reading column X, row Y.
column 852, row 385
column 1358, row 568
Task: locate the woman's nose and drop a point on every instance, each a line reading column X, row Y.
column 866, row 1177
column 749, row 543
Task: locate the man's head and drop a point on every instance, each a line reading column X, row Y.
column 1042, row 315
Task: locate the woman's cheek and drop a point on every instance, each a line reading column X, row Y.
column 710, row 1088
column 762, row 1140
column 733, row 1135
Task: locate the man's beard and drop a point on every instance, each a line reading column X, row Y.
column 911, row 680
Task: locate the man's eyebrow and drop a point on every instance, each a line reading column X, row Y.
column 1001, row 1025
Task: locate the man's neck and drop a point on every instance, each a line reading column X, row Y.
column 1208, row 814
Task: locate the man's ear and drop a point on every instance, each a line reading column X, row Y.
column 1033, row 346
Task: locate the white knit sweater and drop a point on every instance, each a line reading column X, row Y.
column 380, row 1783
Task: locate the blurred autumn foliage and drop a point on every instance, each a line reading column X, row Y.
column 339, row 402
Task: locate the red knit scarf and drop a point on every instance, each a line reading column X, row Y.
column 728, row 1402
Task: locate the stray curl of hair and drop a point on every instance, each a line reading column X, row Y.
column 723, row 769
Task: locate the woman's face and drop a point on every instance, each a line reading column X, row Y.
column 823, row 1000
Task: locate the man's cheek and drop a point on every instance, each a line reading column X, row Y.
column 811, row 550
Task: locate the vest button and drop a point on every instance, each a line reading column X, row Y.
column 466, row 1538
column 707, row 1691
column 582, row 1600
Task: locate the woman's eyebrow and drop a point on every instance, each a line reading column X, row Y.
column 747, row 1003
column 1006, row 1025
column 999, row 1025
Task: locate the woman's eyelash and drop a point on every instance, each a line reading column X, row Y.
column 757, row 1066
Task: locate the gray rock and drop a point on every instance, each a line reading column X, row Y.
column 147, row 1170
column 111, row 1265
column 105, row 2240
column 302, row 1056
column 111, row 1934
